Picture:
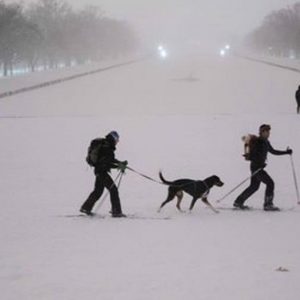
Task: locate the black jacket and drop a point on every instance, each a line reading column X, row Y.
column 298, row 96
column 260, row 151
column 106, row 155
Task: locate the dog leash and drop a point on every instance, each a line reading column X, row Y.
column 143, row 175
column 156, row 181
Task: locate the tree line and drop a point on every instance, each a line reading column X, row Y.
column 279, row 33
column 50, row 33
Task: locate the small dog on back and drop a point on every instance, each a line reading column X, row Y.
column 196, row 188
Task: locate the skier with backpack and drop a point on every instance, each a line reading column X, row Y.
column 297, row 96
column 101, row 156
column 256, row 150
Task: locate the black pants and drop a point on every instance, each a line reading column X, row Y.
column 103, row 180
column 298, row 108
column 256, row 180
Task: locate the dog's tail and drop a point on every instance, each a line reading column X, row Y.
column 164, row 180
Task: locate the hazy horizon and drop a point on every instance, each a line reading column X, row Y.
column 211, row 22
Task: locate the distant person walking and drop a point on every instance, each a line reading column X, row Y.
column 101, row 156
column 297, row 95
column 259, row 148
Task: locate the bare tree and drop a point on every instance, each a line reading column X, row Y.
column 279, row 33
column 19, row 38
column 51, row 33
column 49, row 16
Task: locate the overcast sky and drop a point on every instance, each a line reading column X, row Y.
column 160, row 20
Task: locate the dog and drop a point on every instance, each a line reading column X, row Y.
column 196, row 188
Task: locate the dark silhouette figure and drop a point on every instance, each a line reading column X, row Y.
column 258, row 157
column 297, row 95
column 105, row 161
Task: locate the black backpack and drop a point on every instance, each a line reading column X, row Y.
column 94, row 151
column 250, row 142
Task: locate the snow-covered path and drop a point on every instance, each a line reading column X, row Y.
column 188, row 128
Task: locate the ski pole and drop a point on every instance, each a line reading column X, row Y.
column 235, row 188
column 119, row 176
column 295, row 179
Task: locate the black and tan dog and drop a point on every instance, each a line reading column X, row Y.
column 196, row 188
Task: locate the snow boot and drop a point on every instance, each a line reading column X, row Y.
column 118, row 215
column 85, row 211
column 271, row 207
column 268, row 205
column 241, row 206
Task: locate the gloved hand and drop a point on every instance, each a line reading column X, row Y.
column 122, row 165
column 289, row 151
column 247, row 156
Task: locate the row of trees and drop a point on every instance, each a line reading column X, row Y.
column 50, row 33
column 279, row 33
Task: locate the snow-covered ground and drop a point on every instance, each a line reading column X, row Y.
column 186, row 116
column 293, row 63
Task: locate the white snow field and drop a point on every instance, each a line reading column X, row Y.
column 186, row 116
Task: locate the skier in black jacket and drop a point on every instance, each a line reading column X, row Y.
column 105, row 163
column 297, row 95
column 258, row 157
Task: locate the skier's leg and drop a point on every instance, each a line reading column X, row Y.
column 269, row 193
column 95, row 194
column 249, row 191
column 114, row 195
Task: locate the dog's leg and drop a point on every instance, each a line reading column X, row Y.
column 209, row 205
column 171, row 196
column 193, row 203
column 179, row 198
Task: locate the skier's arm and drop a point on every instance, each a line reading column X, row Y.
column 278, row 152
column 115, row 163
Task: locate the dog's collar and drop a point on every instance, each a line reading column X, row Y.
column 207, row 189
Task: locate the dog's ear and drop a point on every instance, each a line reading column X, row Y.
column 215, row 178
column 218, row 181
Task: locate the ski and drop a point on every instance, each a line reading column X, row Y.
column 81, row 215
column 141, row 217
column 128, row 216
column 250, row 208
column 236, row 208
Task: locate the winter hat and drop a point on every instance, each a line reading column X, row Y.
column 264, row 127
column 114, row 135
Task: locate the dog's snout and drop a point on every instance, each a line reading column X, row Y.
column 220, row 183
